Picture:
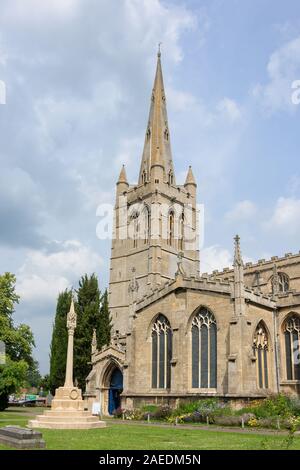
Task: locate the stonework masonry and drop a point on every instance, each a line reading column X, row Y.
column 179, row 335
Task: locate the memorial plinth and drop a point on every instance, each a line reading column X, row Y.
column 67, row 407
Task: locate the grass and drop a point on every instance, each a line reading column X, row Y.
column 133, row 436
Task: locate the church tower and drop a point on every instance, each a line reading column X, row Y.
column 155, row 220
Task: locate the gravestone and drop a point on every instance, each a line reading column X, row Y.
column 21, row 438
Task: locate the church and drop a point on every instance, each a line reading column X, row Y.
column 178, row 334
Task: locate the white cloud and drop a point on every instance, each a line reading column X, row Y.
column 43, row 275
column 35, row 10
column 243, row 210
column 283, row 69
column 229, row 109
column 79, row 75
column 286, row 216
column 180, row 100
column 214, row 257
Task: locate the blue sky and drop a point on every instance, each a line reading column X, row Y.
column 78, row 77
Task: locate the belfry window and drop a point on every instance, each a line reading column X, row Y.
column 260, row 349
column 161, row 353
column 171, row 228
column 171, row 177
column 292, row 347
column 204, row 350
column 280, row 283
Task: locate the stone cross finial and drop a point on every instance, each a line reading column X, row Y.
column 159, row 51
column 71, row 317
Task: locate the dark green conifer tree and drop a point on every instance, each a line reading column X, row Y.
column 104, row 326
column 88, row 317
column 59, row 343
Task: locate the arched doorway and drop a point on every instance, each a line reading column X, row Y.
column 115, row 390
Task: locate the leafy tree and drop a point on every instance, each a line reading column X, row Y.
column 33, row 376
column 12, row 377
column 18, row 342
column 59, row 343
column 45, row 383
column 8, row 296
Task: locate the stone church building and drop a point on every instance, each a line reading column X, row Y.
column 179, row 335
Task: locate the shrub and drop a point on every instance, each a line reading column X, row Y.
column 277, row 405
column 253, row 422
column 162, row 412
column 118, row 413
column 295, row 406
column 135, row 414
column 149, row 408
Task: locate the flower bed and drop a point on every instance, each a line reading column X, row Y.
column 278, row 411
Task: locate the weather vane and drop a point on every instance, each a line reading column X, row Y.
column 159, row 44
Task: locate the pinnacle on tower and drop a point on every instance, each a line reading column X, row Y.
column 123, row 176
column 239, row 286
column 190, row 179
column 238, row 260
column 157, row 147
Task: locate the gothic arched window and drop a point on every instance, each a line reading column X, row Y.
column 161, row 353
column 280, row 283
column 292, row 347
column 171, row 228
column 166, row 133
column 204, row 350
column 260, row 349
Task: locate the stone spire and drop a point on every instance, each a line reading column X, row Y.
column 123, row 176
column 157, row 147
column 239, row 286
column 71, row 325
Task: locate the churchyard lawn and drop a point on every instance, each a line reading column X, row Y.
column 118, row 436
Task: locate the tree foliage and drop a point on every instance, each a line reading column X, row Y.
column 59, row 342
column 33, row 376
column 104, row 327
column 18, row 342
column 92, row 313
column 88, row 317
